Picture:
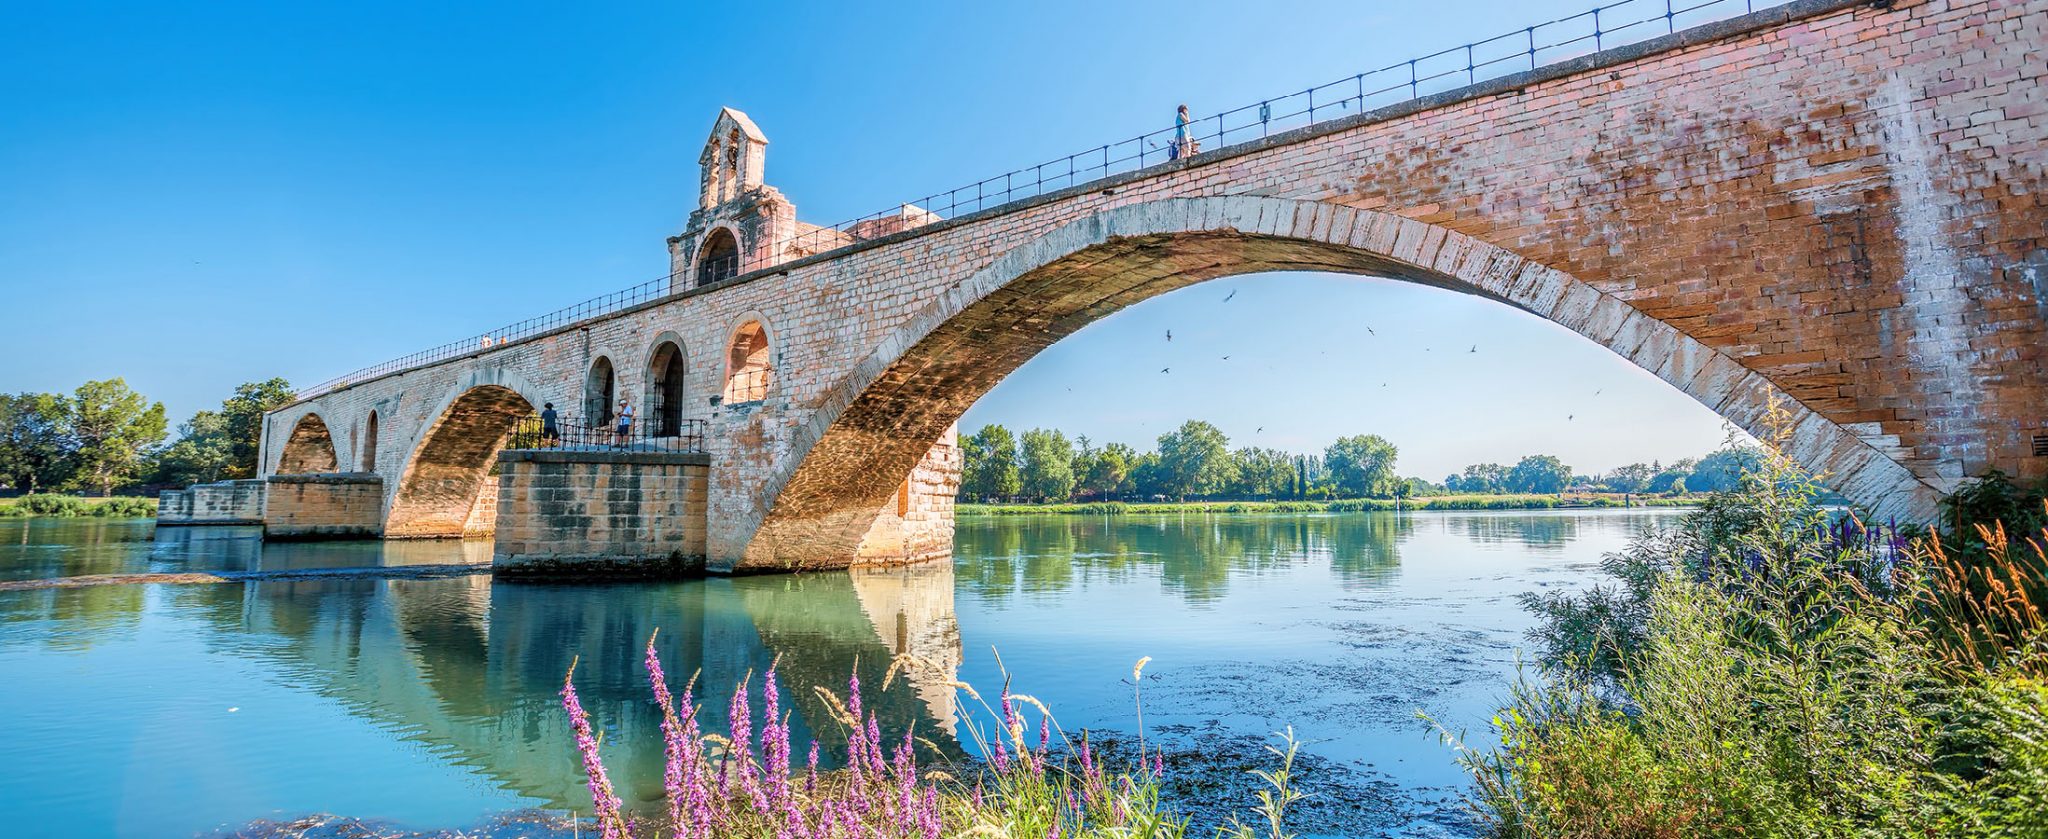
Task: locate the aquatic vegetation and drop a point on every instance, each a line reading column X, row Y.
column 70, row 506
column 1047, row 785
column 1772, row 669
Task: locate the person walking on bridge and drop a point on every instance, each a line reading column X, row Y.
column 625, row 420
column 1183, row 143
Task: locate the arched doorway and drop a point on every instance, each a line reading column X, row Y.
column 309, row 449
column 665, row 389
column 370, row 443
column 718, row 258
column 441, row 485
column 749, row 366
column 599, row 387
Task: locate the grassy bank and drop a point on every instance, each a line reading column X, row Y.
column 1349, row 505
column 68, row 506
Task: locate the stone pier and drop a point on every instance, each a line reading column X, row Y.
column 573, row 512
column 323, row 505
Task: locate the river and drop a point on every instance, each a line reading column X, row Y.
column 174, row 710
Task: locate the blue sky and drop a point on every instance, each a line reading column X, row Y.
column 196, row 195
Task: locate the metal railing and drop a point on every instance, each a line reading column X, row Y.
column 1521, row 50
column 655, row 434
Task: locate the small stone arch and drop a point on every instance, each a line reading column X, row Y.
column 309, row 449
column 600, row 391
column 897, row 403
column 369, row 446
column 718, row 256
column 452, row 457
column 666, row 394
column 749, row 362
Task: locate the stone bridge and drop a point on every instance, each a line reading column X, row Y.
column 1839, row 205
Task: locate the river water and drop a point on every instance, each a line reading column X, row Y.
column 175, row 710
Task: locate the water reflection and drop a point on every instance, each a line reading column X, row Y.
column 471, row 670
column 1195, row 556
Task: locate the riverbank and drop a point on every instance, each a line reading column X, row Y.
column 51, row 505
column 1347, row 505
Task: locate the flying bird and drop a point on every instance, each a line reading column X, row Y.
column 1475, row 348
column 1233, row 293
column 1368, row 330
column 1169, row 335
column 1226, row 358
column 1568, row 417
column 1165, row 369
column 1261, row 428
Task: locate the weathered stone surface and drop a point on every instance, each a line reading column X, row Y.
column 220, row 503
column 331, row 505
column 588, row 513
column 1835, row 204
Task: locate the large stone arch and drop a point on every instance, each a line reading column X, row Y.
column 664, row 383
column 310, row 448
column 874, row 426
column 451, row 458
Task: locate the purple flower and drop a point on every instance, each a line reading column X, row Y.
column 611, row 823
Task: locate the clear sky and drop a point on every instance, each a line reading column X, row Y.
column 197, row 195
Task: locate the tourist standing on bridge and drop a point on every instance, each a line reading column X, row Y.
column 625, row 413
column 550, row 426
column 1183, row 144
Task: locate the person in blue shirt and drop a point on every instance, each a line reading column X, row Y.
column 550, row 426
column 1183, row 144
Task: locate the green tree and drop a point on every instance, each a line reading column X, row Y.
column 1479, row 478
column 1195, row 460
column 1148, row 476
column 989, row 464
column 113, row 428
column 1631, row 478
column 1362, row 465
column 1540, row 473
column 201, row 454
column 36, row 450
column 241, row 422
column 1048, row 468
column 1108, row 470
column 1264, row 473
column 1722, row 471
column 1671, row 478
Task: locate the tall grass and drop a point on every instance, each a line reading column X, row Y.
column 1766, row 670
column 746, row 784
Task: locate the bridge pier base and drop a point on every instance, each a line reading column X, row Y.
column 323, row 505
column 568, row 512
column 219, row 503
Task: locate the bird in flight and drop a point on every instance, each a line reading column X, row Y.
column 1233, row 293
column 1368, row 330
column 1165, row 369
column 1169, row 335
column 1261, row 428
column 1568, row 417
column 1226, row 358
column 1475, row 348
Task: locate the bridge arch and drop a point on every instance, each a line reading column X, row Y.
column 309, row 449
column 667, row 373
column 453, row 455
column 877, row 423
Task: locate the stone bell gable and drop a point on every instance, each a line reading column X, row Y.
column 740, row 223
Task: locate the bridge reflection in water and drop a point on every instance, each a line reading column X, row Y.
column 471, row 670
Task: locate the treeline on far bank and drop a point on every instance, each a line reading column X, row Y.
column 104, row 437
column 1197, row 463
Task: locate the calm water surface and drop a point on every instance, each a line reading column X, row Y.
column 174, row 710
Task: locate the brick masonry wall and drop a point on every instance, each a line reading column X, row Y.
column 1839, row 204
column 580, row 512
column 322, row 506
